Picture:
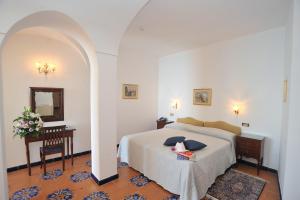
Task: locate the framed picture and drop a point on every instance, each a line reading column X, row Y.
column 130, row 91
column 202, row 96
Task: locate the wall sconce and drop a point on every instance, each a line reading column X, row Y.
column 236, row 109
column 45, row 68
column 174, row 107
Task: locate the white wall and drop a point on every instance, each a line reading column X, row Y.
column 137, row 66
column 3, row 175
column 105, row 31
column 285, row 105
column 19, row 73
column 247, row 70
column 104, row 154
column 290, row 164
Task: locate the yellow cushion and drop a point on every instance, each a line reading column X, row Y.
column 224, row 126
column 190, row 120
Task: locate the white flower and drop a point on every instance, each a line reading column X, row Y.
column 30, row 130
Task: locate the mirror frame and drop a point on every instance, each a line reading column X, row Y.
column 60, row 115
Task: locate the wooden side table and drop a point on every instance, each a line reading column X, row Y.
column 250, row 146
column 161, row 123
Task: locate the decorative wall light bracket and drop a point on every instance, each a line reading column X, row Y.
column 45, row 68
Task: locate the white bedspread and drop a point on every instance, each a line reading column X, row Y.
column 146, row 153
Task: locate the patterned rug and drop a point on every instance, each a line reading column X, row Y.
column 236, row 185
column 64, row 194
column 97, row 196
column 80, row 176
column 140, row 180
column 52, row 174
column 135, row 196
column 233, row 185
column 25, row 193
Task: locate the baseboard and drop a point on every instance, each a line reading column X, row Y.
column 254, row 165
column 106, row 180
column 11, row 169
column 279, row 186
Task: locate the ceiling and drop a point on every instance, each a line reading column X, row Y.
column 105, row 21
column 175, row 25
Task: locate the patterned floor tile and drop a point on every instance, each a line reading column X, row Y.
column 25, row 193
column 52, row 174
column 63, row 194
column 80, row 176
column 122, row 164
column 89, row 163
column 97, row 196
column 135, row 197
column 140, row 180
column 173, row 197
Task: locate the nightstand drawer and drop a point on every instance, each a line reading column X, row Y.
column 248, row 147
column 251, row 146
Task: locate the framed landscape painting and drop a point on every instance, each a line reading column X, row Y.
column 202, row 96
column 130, row 91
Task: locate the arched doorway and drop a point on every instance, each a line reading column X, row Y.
column 99, row 142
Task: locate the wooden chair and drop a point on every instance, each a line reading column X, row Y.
column 53, row 143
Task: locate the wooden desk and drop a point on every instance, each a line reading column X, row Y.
column 68, row 134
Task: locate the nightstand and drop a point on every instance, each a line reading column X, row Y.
column 250, row 146
column 161, row 123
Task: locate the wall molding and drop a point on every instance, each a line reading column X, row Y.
column 12, row 169
column 110, row 54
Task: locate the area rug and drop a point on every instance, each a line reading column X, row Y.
column 236, row 185
column 233, row 185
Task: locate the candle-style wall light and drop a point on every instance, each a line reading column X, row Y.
column 174, row 106
column 236, row 109
column 45, row 67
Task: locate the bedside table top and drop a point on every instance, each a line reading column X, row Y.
column 166, row 122
column 252, row 136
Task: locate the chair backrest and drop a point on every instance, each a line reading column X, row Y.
column 53, row 135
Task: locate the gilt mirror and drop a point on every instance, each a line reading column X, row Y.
column 48, row 102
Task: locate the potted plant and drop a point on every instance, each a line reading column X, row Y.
column 29, row 123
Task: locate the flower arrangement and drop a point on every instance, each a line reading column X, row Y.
column 29, row 123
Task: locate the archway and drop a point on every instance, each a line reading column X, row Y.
column 70, row 29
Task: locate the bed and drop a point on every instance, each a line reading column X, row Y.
column 146, row 153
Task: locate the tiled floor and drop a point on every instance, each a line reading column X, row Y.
column 117, row 189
